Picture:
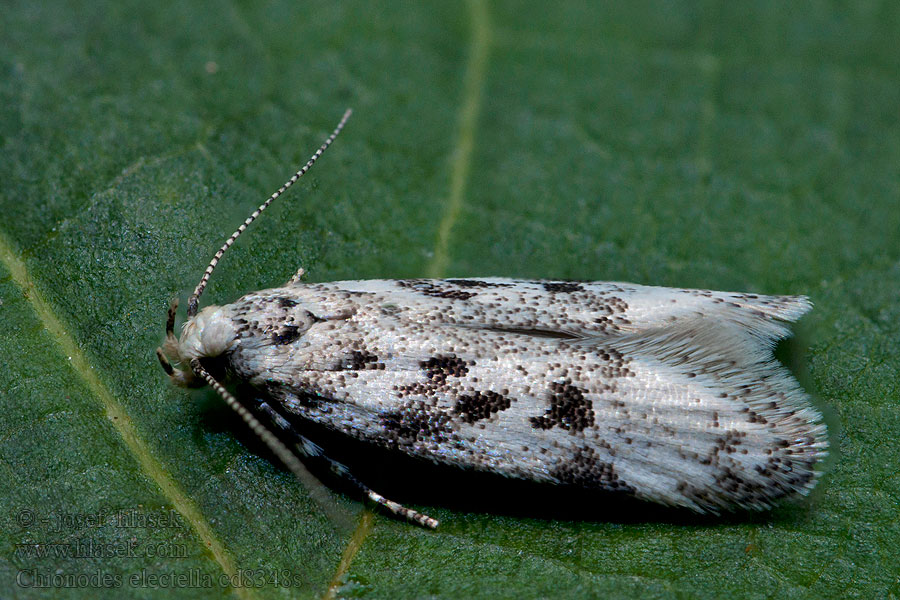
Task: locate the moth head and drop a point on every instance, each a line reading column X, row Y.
column 208, row 334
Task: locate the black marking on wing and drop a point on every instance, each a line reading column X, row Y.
column 477, row 283
column 435, row 289
column 480, row 405
column 585, row 469
column 286, row 335
column 569, row 409
column 439, row 368
column 417, row 422
column 563, row 286
column 362, row 360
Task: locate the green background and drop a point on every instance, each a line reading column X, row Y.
column 749, row 147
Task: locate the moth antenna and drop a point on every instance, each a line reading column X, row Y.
column 400, row 510
column 290, row 460
column 194, row 301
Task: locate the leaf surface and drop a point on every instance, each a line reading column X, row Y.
column 737, row 147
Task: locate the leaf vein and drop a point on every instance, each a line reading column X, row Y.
column 116, row 413
column 473, row 93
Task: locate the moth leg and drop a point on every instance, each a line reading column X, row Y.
column 307, row 448
column 171, row 341
column 301, row 272
column 170, row 319
column 166, row 365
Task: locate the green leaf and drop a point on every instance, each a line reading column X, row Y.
column 751, row 147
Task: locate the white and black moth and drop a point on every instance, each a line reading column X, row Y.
column 667, row 395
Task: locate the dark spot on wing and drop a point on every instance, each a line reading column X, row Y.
column 416, row 422
column 586, row 470
column 480, row 405
column 285, row 335
column 361, row 360
column 569, row 409
column 439, row 368
column 435, row 288
column 475, row 283
column 562, row 286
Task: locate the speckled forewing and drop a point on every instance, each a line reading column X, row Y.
column 580, row 308
column 670, row 395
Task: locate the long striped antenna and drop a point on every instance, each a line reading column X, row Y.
column 194, row 301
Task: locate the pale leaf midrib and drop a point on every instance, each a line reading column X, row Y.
column 472, row 97
column 461, row 162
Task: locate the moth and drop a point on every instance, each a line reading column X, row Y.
column 667, row 395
